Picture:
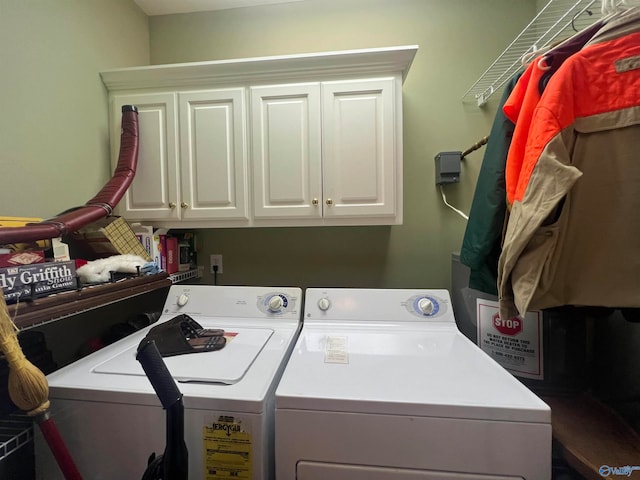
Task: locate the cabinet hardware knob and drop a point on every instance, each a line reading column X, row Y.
column 184, row 205
column 314, row 202
column 329, row 201
column 172, row 204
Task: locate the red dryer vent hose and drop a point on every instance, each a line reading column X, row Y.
column 99, row 206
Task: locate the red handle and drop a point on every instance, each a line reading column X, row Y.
column 59, row 450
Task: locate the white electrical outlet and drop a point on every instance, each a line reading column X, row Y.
column 216, row 260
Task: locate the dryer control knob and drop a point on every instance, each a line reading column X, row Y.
column 275, row 303
column 425, row 306
column 183, row 299
column 324, row 303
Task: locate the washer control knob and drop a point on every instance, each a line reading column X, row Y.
column 275, row 303
column 324, row 303
column 425, row 306
column 183, row 299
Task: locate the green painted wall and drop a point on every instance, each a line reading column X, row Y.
column 458, row 39
column 54, row 130
column 54, row 136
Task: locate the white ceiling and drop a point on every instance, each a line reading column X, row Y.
column 166, row 7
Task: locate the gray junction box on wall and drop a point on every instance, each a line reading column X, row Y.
column 448, row 167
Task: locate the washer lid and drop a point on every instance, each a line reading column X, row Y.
column 422, row 373
column 226, row 366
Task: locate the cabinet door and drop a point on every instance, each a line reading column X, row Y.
column 360, row 149
column 153, row 194
column 213, row 154
column 286, row 151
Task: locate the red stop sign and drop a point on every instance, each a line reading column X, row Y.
column 508, row 326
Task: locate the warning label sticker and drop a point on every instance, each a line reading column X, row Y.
column 227, row 450
column 336, row 350
column 515, row 343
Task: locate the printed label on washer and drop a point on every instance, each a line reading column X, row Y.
column 515, row 343
column 336, row 349
column 227, row 450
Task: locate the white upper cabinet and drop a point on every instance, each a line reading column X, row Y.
column 286, row 151
column 192, row 161
column 273, row 141
column 362, row 158
column 326, row 153
column 213, row 155
column 153, row 194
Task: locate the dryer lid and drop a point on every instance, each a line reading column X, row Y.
column 423, row 373
column 226, row 366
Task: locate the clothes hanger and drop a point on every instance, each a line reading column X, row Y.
column 529, row 56
column 573, row 20
column 611, row 9
column 614, row 6
column 608, row 7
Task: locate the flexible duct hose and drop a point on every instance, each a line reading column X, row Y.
column 99, row 206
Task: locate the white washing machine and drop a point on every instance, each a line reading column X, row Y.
column 381, row 385
column 111, row 419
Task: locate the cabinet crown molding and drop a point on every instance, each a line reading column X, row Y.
column 297, row 67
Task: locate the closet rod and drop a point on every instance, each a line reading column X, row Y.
column 475, row 146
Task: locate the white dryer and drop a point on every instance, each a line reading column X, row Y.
column 381, row 385
column 111, row 419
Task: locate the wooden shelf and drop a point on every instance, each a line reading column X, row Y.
column 61, row 305
column 591, row 435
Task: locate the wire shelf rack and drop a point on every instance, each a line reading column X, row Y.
column 558, row 18
column 182, row 276
column 15, row 432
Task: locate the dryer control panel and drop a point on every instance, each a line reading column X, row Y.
column 394, row 305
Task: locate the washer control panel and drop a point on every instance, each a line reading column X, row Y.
column 274, row 303
column 234, row 301
column 183, row 299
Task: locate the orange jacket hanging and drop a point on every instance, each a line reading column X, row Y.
column 524, row 98
column 573, row 236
